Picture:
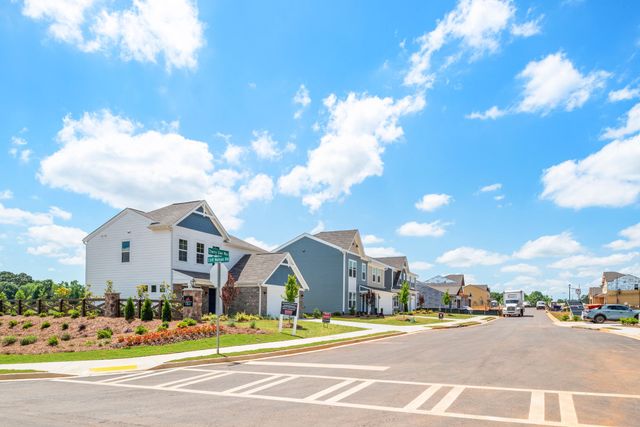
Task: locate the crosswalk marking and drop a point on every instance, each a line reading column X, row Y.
column 349, row 392
column 201, row 379
column 269, row 385
column 567, row 409
column 241, row 387
column 184, row 380
column 146, row 375
column 319, row 365
column 536, row 409
column 329, row 390
column 447, row 400
column 423, row 397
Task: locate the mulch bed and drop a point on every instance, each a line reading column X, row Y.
column 83, row 332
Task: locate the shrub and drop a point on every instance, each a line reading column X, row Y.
column 352, row 311
column 165, row 324
column 162, row 327
column 105, row 333
column 12, row 323
column 317, row 313
column 166, row 311
column 53, row 341
column 92, row 315
column 576, row 318
column 28, row 313
column 231, row 324
column 55, row 314
column 188, row 322
column 129, row 310
column 43, row 314
column 29, row 339
column 565, row 317
column 246, row 317
column 65, row 337
column 45, row 325
column 73, row 313
column 209, row 317
column 629, row 321
column 146, row 314
column 82, row 327
column 169, row 336
column 27, row 325
column 252, row 325
column 337, row 313
column 8, row 340
column 65, row 326
column 141, row 330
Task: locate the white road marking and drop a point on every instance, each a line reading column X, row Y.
column 319, row 365
column 136, row 374
column 536, row 409
column 329, row 390
column 186, row 380
column 442, row 406
column 148, row 374
column 203, row 379
column 263, row 380
column 423, row 397
column 567, row 409
column 269, row 385
column 349, row 392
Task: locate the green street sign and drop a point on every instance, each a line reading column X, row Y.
column 214, row 259
column 213, row 250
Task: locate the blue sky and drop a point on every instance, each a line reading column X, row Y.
column 517, row 122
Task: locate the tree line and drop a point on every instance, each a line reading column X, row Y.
column 22, row 286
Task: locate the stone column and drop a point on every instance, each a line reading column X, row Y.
column 195, row 310
column 111, row 304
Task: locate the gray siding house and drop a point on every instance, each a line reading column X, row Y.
column 335, row 267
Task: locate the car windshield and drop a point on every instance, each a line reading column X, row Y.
column 512, row 301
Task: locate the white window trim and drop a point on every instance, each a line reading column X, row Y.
column 364, row 271
column 183, row 250
column 204, row 246
column 123, row 251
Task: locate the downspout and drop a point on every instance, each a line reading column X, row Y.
column 344, row 278
column 171, row 260
column 259, row 299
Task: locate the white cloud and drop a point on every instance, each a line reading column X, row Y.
column 55, row 241
column 422, row 229
column 492, row 113
column 498, row 197
column 370, row 239
column 476, row 24
column 111, row 159
column 267, row 148
column 19, row 151
column 631, row 126
column 25, row 155
column 553, row 82
column 318, row 228
column 431, row 202
column 578, row 261
column 549, row 246
column 142, row 32
column 233, row 153
column 382, row 251
column 302, row 99
column 18, row 141
column 468, row 257
column 630, row 238
column 260, row 243
column 6, row 194
column 16, row 216
column 623, row 94
column 350, row 151
column 521, row 268
column 420, row 265
column 59, row 213
column 491, row 188
column 607, row 178
column 527, row 29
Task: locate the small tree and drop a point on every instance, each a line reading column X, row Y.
column 291, row 289
column 229, row 293
column 61, row 292
column 142, row 291
column 20, row 295
column 166, row 311
column 446, row 299
column 87, row 291
column 146, row 313
column 129, row 310
column 404, row 294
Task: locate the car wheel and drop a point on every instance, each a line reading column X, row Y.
column 599, row 318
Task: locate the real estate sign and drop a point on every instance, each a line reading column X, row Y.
column 288, row 308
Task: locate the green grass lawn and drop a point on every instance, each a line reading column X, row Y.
column 391, row 320
column 271, row 350
column 271, row 326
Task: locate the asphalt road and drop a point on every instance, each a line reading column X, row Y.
column 512, row 371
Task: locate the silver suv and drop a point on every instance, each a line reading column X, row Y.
column 611, row 312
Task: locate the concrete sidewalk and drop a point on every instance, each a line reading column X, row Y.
column 378, row 327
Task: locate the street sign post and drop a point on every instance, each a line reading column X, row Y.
column 218, row 256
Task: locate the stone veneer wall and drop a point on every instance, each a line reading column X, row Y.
column 247, row 300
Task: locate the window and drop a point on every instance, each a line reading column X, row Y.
column 163, row 289
column 182, row 250
column 154, row 288
column 126, row 251
column 364, row 271
column 200, row 253
column 352, row 300
column 353, row 268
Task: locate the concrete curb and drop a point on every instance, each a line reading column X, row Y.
column 285, row 352
column 605, row 329
column 31, row 376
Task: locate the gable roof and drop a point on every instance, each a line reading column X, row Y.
column 396, row 262
column 257, row 268
column 458, row 278
column 341, row 238
column 452, row 289
column 610, row 276
column 484, row 287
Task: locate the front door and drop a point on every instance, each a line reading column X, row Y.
column 212, row 300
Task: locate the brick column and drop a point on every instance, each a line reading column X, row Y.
column 195, row 311
column 111, row 304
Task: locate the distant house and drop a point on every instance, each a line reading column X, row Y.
column 452, row 284
column 166, row 250
column 617, row 288
column 479, row 296
column 432, row 296
column 397, row 272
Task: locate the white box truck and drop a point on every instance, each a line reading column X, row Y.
column 513, row 303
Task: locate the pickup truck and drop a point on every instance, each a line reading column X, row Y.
column 611, row 312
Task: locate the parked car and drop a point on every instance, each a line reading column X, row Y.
column 541, row 305
column 527, row 304
column 588, row 308
column 466, row 309
column 611, row 312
